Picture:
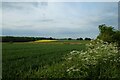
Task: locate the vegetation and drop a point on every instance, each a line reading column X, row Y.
column 108, row 34
column 68, row 58
column 45, row 41
column 101, row 60
column 17, row 39
column 79, row 39
column 23, row 39
column 87, row 39
column 27, row 39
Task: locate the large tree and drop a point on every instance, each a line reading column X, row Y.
column 106, row 33
column 109, row 34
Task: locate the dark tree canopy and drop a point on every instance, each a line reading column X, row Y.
column 69, row 38
column 106, row 33
column 87, row 38
column 79, row 39
column 109, row 34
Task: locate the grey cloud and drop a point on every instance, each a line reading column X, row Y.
column 64, row 25
column 45, row 20
column 23, row 5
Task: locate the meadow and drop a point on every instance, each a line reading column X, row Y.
column 21, row 60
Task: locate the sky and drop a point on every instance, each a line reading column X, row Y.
column 57, row 19
column 60, row 0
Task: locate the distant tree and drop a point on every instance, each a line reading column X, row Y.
column 79, row 39
column 69, row 38
column 0, row 38
column 51, row 38
column 87, row 39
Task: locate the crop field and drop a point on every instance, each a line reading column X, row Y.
column 21, row 60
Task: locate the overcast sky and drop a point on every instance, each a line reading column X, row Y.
column 57, row 19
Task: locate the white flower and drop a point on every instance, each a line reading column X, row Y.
column 74, row 52
column 75, row 70
column 68, row 70
column 91, row 51
column 69, row 58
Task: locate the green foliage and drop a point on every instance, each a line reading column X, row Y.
column 79, row 39
column 87, row 39
column 106, row 33
column 109, row 34
column 101, row 60
column 116, row 37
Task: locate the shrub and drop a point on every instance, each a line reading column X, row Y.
column 101, row 60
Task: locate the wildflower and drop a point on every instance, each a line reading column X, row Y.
column 91, row 51
column 75, row 70
column 105, row 59
column 74, row 52
column 69, row 58
column 68, row 70
column 96, row 51
column 45, row 41
column 111, row 60
column 71, row 68
column 90, row 44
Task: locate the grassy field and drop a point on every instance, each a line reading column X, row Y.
column 94, row 59
column 20, row 60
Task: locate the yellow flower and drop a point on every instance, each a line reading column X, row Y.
column 45, row 41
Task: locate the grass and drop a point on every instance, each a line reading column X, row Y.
column 21, row 60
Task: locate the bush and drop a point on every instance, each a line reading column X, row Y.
column 101, row 60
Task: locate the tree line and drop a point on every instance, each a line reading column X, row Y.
column 27, row 39
column 22, row 39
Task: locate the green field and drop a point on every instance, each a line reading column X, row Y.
column 94, row 59
column 20, row 60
